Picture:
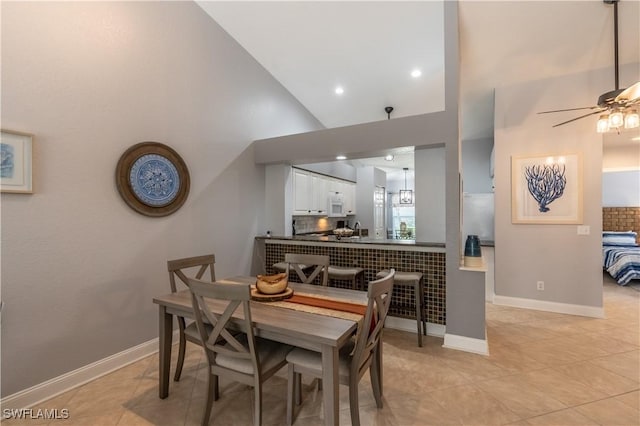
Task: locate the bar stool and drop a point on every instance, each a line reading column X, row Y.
column 346, row 273
column 282, row 267
column 412, row 279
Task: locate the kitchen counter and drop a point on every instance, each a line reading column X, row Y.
column 353, row 240
column 372, row 255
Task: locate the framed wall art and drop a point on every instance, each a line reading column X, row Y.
column 152, row 179
column 546, row 189
column 16, row 162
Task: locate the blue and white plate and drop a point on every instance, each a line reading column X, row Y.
column 154, row 180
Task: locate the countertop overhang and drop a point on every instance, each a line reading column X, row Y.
column 361, row 240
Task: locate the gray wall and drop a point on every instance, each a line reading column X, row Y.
column 364, row 197
column 569, row 264
column 337, row 169
column 476, row 165
column 79, row 267
column 430, row 194
column 621, row 189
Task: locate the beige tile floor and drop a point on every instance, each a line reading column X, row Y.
column 544, row 369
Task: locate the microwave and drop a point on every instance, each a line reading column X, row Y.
column 336, row 205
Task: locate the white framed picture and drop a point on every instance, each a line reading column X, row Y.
column 16, row 162
column 546, row 189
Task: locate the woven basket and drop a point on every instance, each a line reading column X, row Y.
column 272, row 284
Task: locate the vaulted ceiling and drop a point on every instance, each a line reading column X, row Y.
column 370, row 48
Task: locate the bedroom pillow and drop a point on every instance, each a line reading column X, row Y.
column 612, row 238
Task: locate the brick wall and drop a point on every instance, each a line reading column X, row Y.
column 621, row 219
column 432, row 266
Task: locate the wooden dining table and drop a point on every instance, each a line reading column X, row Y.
column 321, row 333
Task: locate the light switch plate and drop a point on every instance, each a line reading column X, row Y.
column 584, row 229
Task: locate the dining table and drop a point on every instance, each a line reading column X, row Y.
column 325, row 334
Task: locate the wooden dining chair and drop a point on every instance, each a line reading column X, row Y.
column 241, row 357
column 181, row 269
column 308, row 267
column 356, row 357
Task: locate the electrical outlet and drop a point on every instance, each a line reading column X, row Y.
column 540, row 285
column 584, row 229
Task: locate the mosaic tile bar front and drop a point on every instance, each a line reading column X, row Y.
column 432, row 266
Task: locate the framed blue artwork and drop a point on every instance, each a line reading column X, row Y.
column 546, row 189
column 16, row 162
column 152, row 179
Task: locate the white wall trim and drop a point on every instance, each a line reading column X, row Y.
column 34, row 395
column 467, row 344
column 544, row 305
column 410, row 325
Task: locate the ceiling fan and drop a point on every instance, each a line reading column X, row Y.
column 617, row 108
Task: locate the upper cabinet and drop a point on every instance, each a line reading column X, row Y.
column 350, row 198
column 311, row 193
column 320, row 191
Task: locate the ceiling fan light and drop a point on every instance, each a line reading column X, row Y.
column 603, row 124
column 616, row 119
column 632, row 120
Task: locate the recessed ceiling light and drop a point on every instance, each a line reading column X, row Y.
column 416, row 73
column 339, row 90
column 341, row 157
column 389, row 157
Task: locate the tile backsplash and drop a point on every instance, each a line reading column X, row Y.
column 306, row 224
column 432, row 266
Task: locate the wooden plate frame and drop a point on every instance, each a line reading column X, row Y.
column 123, row 170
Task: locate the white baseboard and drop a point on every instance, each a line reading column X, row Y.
column 543, row 305
column 410, row 325
column 467, row 344
column 34, row 395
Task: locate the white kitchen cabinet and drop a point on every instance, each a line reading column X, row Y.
column 302, row 192
column 311, row 193
column 349, row 190
column 320, row 192
column 335, row 185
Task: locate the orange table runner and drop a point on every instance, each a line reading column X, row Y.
column 336, row 305
column 323, row 305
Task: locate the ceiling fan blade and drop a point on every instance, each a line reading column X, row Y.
column 633, row 102
column 631, row 93
column 578, row 118
column 568, row 109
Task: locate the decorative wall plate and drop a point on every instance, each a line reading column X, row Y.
column 152, row 179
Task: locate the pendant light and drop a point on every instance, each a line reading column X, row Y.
column 406, row 195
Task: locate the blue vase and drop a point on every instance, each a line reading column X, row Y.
column 472, row 247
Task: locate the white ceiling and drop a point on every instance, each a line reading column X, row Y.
column 370, row 48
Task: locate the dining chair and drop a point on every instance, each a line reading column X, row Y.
column 314, row 265
column 355, row 357
column 241, row 357
column 182, row 268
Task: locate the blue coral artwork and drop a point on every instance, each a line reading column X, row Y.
column 547, row 189
column 546, row 183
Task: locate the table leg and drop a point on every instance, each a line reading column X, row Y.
column 330, row 385
column 378, row 364
column 164, row 350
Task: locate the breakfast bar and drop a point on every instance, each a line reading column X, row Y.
column 372, row 255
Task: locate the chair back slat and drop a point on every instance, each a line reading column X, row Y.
column 178, row 267
column 319, row 262
column 219, row 339
column 379, row 296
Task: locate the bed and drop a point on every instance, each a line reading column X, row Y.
column 621, row 256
